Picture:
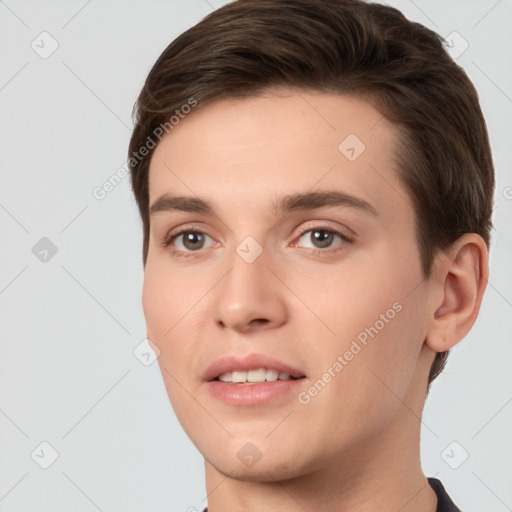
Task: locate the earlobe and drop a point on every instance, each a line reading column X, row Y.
column 461, row 278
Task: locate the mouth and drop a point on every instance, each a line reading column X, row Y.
column 250, row 368
column 254, row 379
column 255, row 376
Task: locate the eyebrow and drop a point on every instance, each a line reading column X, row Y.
column 319, row 199
column 284, row 204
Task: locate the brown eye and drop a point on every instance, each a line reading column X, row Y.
column 189, row 241
column 193, row 241
column 320, row 238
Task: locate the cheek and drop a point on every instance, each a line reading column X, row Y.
column 165, row 304
column 157, row 304
column 174, row 307
column 373, row 363
column 166, row 299
column 369, row 330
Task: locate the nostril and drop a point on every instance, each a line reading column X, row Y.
column 244, row 326
column 255, row 323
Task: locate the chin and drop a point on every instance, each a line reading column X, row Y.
column 263, row 471
column 258, row 459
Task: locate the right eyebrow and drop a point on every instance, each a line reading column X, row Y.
column 167, row 203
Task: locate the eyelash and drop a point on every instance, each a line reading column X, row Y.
column 328, row 229
column 170, row 239
column 323, row 252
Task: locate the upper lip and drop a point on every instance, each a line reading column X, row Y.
column 248, row 362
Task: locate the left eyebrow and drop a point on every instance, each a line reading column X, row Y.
column 312, row 200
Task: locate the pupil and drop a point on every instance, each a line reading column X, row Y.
column 322, row 238
column 193, row 240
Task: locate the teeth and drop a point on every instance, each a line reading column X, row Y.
column 271, row 375
column 256, row 375
column 239, row 376
column 252, row 376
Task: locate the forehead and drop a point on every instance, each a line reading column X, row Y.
column 282, row 142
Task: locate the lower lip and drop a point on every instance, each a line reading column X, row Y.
column 252, row 394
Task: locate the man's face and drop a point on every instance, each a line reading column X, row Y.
column 331, row 289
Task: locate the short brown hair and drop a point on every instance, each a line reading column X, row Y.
column 349, row 47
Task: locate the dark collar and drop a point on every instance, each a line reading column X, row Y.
column 444, row 502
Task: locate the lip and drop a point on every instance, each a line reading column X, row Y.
column 260, row 393
column 249, row 362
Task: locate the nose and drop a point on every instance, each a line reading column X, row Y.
column 250, row 297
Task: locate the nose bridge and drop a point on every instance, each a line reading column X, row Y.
column 250, row 294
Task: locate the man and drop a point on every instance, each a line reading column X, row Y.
column 315, row 184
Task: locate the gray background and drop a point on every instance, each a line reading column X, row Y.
column 69, row 325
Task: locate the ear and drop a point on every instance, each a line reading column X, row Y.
column 459, row 282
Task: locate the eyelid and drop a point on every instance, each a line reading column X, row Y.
column 325, row 252
column 176, row 236
column 173, row 234
column 185, row 228
column 325, row 226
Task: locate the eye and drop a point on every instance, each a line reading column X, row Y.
column 189, row 241
column 321, row 238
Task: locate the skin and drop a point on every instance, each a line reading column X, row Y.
column 355, row 445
